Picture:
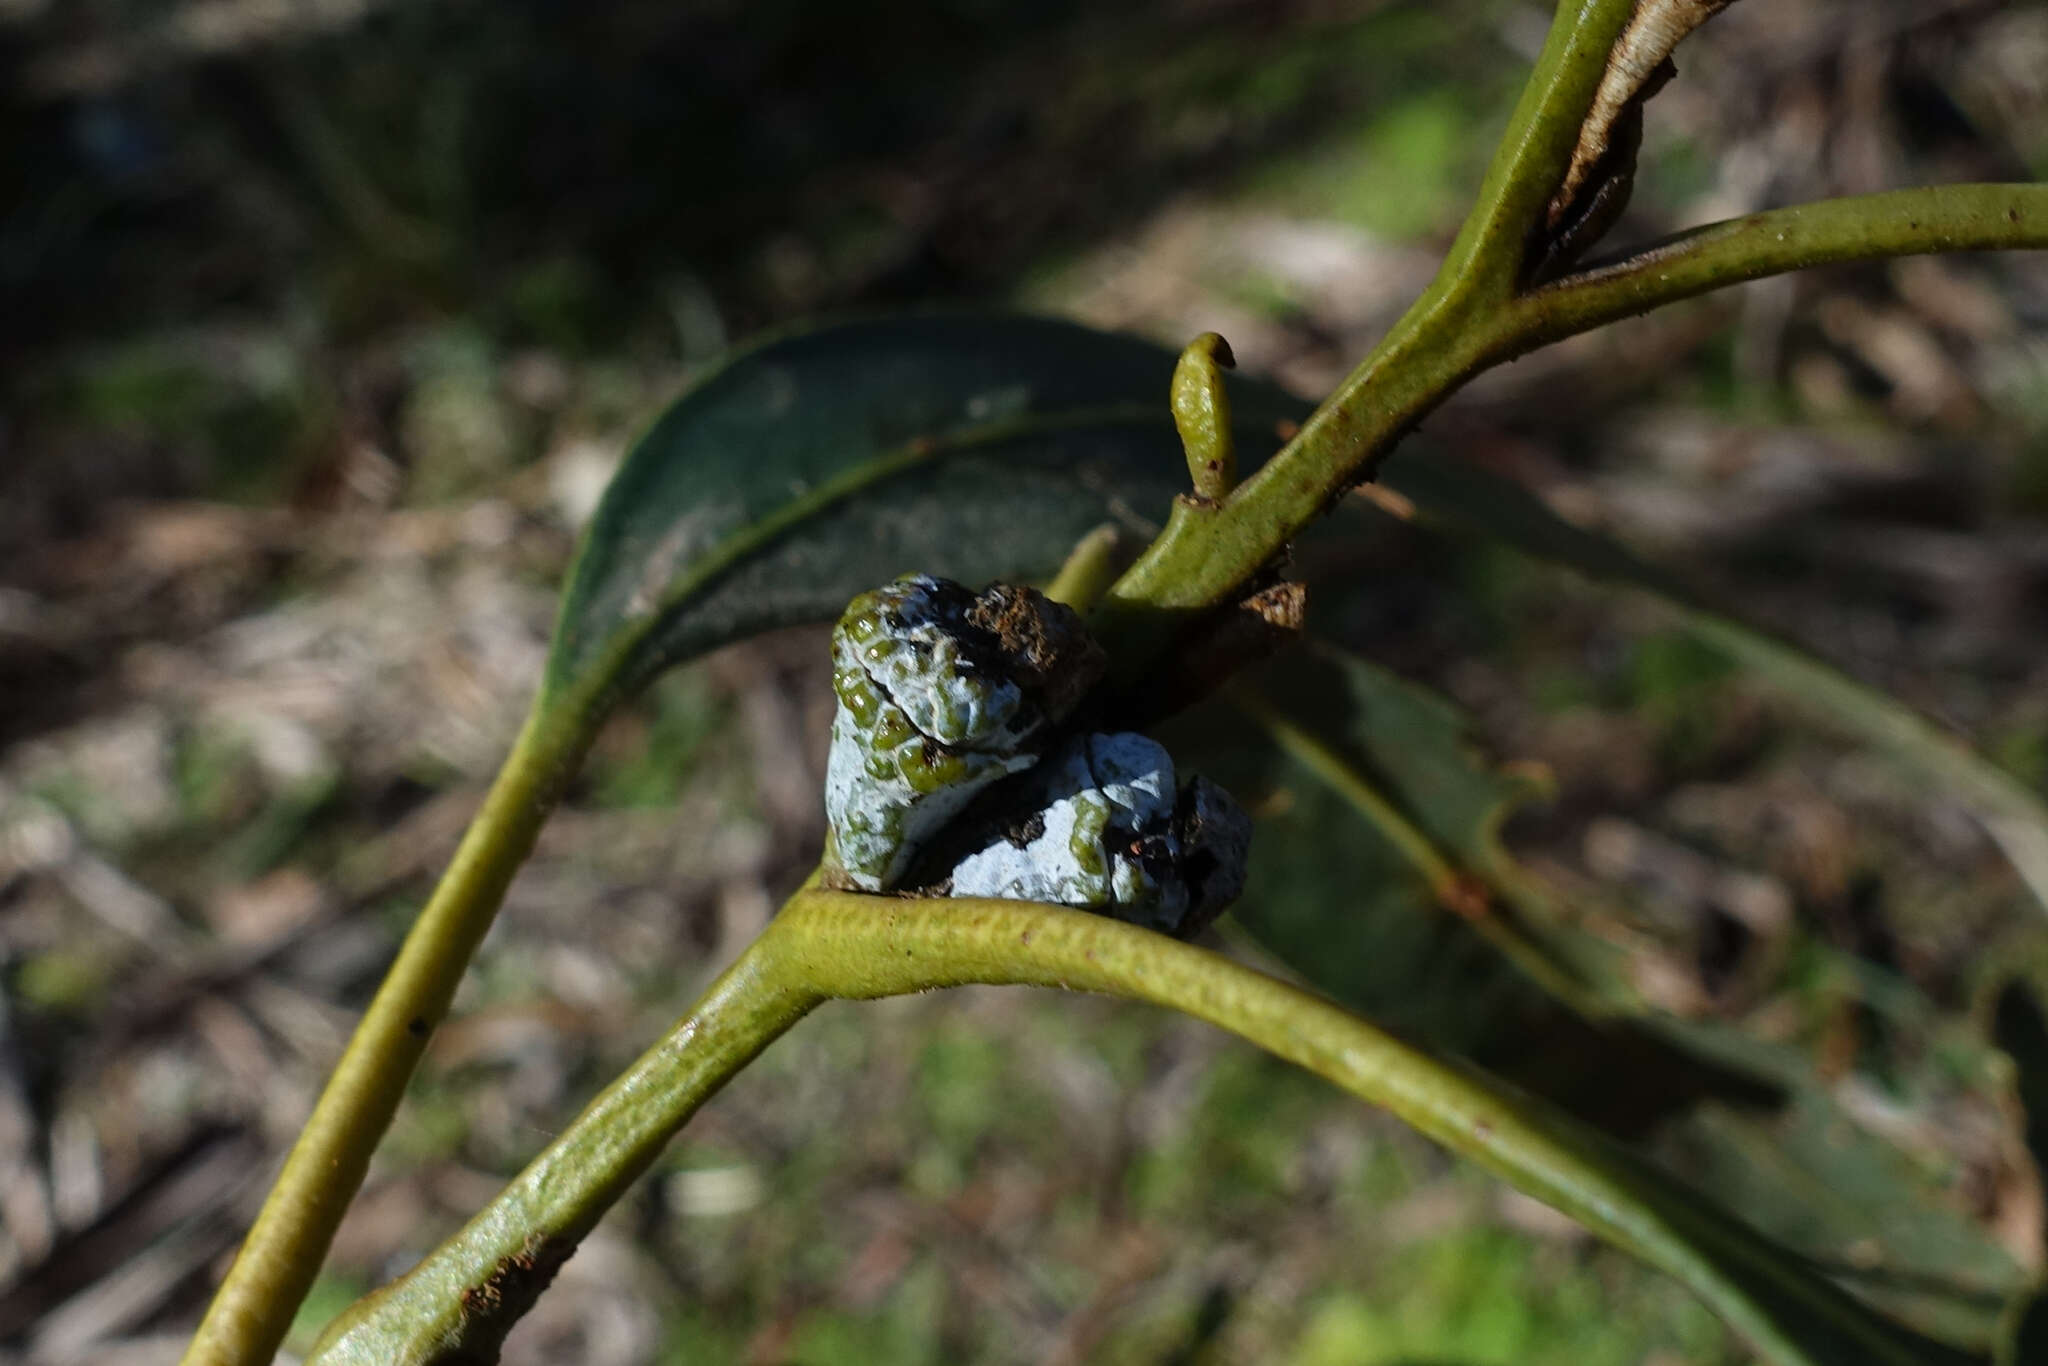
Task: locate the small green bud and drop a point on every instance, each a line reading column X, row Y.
column 1201, row 412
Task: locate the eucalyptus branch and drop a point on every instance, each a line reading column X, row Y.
column 1535, row 153
column 1473, row 316
column 1871, row 227
column 457, row 1304
column 1199, row 563
column 1200, row 560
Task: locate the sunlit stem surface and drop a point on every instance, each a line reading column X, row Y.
column 457, row 1304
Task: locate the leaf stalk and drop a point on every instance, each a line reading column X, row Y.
column 457, row 1304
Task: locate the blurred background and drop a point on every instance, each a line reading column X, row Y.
column 321, row 328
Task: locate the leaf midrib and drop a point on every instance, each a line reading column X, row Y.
column 614, row 659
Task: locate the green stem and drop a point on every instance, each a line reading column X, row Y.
column 457, row 1304
column 1871, row 227
column 253, row 1308
column 1438, row 344
column 1536, row 150
column 1457, row 330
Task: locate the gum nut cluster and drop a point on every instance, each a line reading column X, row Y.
column 941, row 693
column 1111, row 832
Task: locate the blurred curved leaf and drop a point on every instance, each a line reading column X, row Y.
column 1416, row 915
column 822, row 463
column 1872, row 1184
column 1349, row 908
column 1467, row 497
column 1399, row 756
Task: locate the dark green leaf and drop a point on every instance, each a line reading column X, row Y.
column 1421, row 747
column 1348, row 906
column 1399, row 756
column 824, row 463
column 1358, row 909
column 1889, row 1210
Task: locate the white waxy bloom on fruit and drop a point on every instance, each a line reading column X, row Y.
column 941, row 693
column 1108, row 830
